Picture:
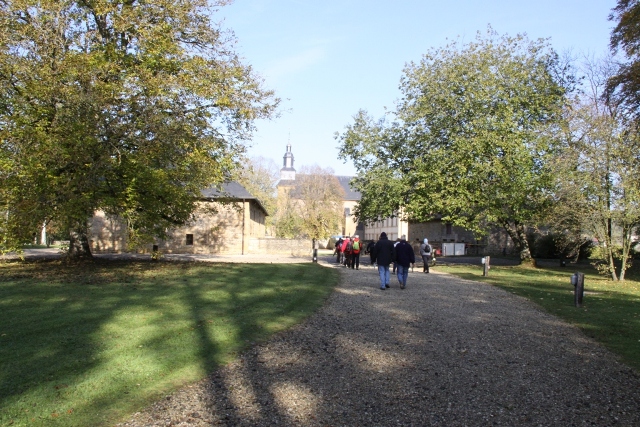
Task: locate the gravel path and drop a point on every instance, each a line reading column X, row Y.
column 443, row 352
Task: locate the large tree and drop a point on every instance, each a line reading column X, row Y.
column 470, row 140
column 597, row 172
column 128, row 106
column 320, row 202
column 313, row 208
column 260, row 176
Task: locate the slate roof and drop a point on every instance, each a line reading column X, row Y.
column 231, row 190
column 349, row 193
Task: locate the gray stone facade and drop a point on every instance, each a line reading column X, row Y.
column 227, row 231
column 226, row 221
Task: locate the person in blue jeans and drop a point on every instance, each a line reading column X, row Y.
column 404, row 257
column 383, row 253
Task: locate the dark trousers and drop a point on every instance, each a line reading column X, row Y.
column 425, row 262
column 355, row 261
column 347, row 259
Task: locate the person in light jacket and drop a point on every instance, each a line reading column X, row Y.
column 425, row 253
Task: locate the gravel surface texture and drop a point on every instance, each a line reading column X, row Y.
column 443, row 352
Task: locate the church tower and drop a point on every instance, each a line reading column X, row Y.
column 288, row 173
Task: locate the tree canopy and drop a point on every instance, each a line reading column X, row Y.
column 128, row 106
column 624, row 86
column 597, row 172
column 470, row 138
column 313, row 208
column 260, row 176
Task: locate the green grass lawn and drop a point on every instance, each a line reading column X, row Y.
column 89, row 344
column 610, row 312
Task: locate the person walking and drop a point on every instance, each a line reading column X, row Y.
column 384, row 253
column 425, row 253
column 338, row 250
column 404, row 258
column 346, row 251
column 395, row 264
column 369, row 251
column 356, row 247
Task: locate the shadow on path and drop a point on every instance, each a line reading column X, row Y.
column 445, row 351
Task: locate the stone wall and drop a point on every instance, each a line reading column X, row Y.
column 216, row 229
column 107, row 234
column 210, row 233
column 499, row 242
column 436, row 231
column 494, row 243
column 275, row 246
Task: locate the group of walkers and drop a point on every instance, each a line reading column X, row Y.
column 384, row 253
column 347, row 251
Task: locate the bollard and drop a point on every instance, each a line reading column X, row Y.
column 577, row 280
column 315, row 255
column 486, row 261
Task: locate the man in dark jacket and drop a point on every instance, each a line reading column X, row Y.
column 383, row 253
column 404, row 257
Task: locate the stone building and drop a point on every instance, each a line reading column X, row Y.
column 226, row 222
column 446, row 238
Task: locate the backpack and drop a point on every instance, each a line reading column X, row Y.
column 356, row 247
column 426, row 249
column 349, row 248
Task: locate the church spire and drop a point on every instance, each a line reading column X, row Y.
column 288, row 172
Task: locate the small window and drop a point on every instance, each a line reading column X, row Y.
column 189, row 239
column 449, row 231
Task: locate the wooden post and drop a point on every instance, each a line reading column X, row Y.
column 578, row 281
column 486, row 261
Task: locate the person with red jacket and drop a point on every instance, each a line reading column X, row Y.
column 346, row 251
column 338, row 250
column 356, row 248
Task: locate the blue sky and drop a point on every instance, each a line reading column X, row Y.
column 327, row 59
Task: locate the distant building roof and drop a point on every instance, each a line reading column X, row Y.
column 349, row 193
column 231, row 190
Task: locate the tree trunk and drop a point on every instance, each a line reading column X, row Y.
column 627, row 232
column 611, row 259
column 79, row 246
column 518, row 236
column 523, row 244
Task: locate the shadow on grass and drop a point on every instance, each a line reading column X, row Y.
column 97, row 338
column 340, row 365
column 88, row 344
